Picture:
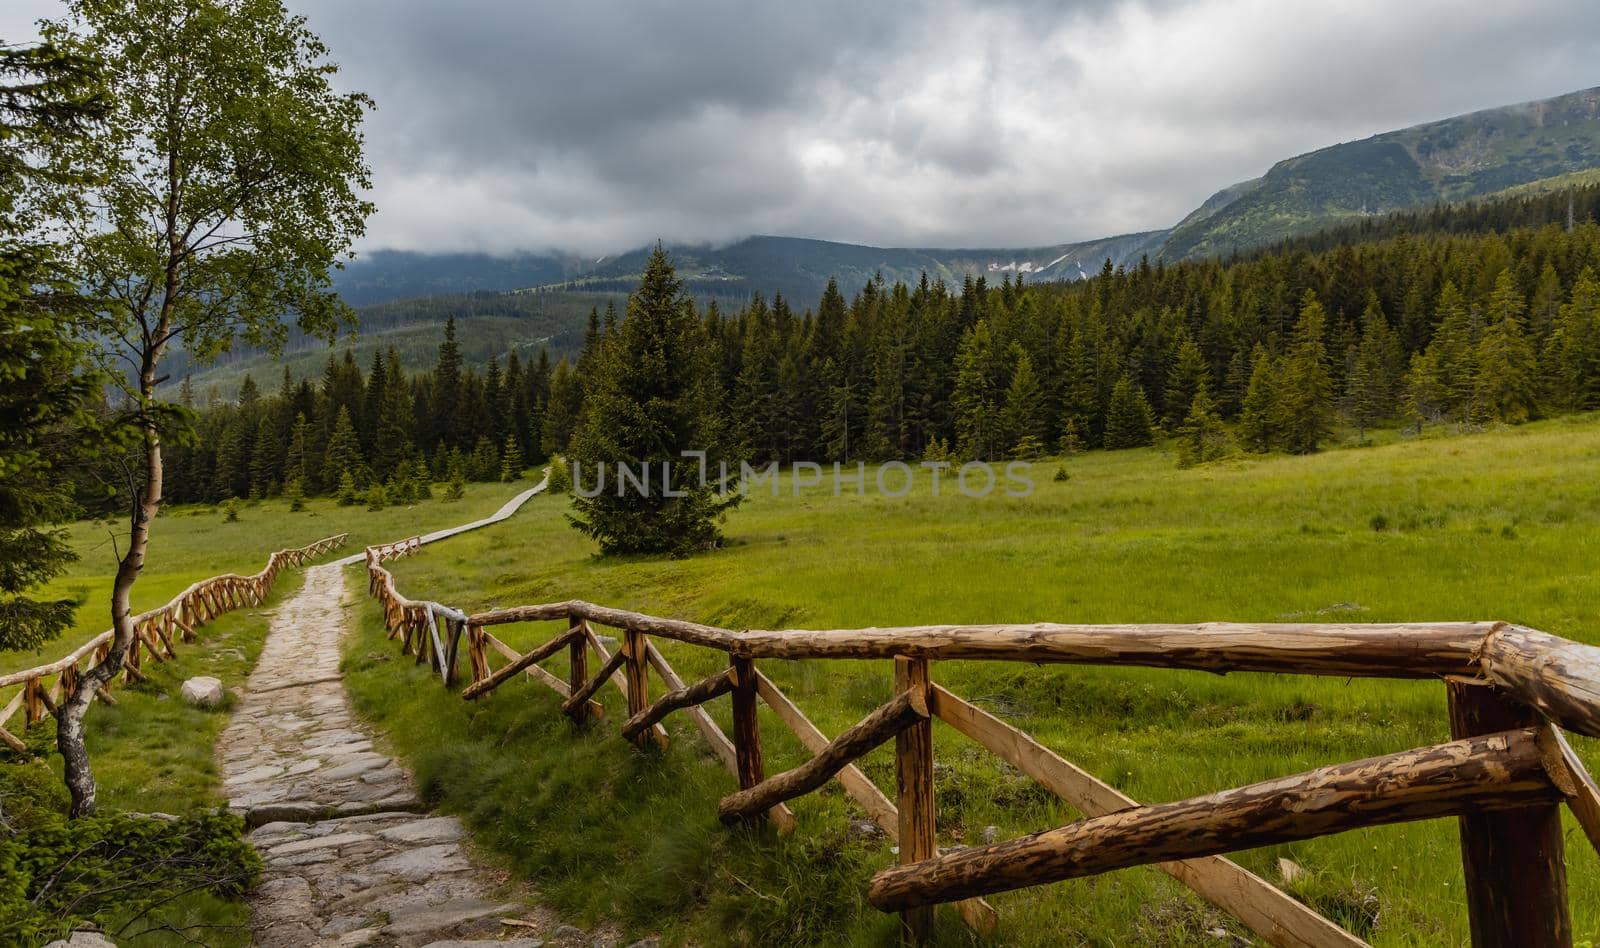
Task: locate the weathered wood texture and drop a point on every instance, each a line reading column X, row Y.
column 1558, row 677
column 721, row 744
column 1496, row 771
column 913, row 770
column 509, row 671
column 578, row 668
column 594, row 684
column 1583, row 796
column 1515, row 868
column 1271, row 913
column 637, row 669
column 749, row 766
column 889, row 719
column 698, row 693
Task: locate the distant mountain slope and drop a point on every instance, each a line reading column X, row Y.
column 800, row 268
column 1451, row 160
column 384, row 275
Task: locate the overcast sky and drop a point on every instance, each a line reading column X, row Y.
column 598, row 125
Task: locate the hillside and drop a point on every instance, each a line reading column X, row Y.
column 1454, row 159
column 799, row 268
column 381, row 276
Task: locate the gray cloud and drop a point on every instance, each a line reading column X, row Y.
column 597, row 126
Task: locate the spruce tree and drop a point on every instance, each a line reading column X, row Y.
column 1185, row 380
column 447, row 390
column 1373, row 378
column 1305, row 394
column 1506, row 386
column 1202, row 437
column 511, row 460
column 266, row 458
column 1572, row 354
column 651, row 396
column 343, row 455
column 1129, row 421
column 1259, row 426
column 562, row 411
column 484, row 463
column 976, row 398
column 1023, row 417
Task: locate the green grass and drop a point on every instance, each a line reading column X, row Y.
column 154, row 753
column 1500, row 525
column 191, row 543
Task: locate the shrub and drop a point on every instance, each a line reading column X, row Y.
column 1061, row 475
column 58, row 875
column 230, row 510
column 377, row 497
column 296, row 495
column 347, row 490
column 457, row 488
column 560, row 477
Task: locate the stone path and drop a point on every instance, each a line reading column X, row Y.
column 349, row 857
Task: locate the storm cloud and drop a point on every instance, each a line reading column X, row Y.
column 600, row 125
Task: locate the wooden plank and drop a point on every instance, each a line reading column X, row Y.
column 857, row 784
column 889, row 719
column 13, row 742
column 1274, row 915
column 913, row 769
column 1583, row 796
column 1493, row 772
column 979, row 915
column 596, row 709
column 509, row 671
column 594, row 684
column 676, row 700
column 721, row 745
column 1513, row 860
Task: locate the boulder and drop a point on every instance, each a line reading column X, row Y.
column 203, row 692
column 83, row 940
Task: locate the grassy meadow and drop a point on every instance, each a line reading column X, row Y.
column 1498, row 525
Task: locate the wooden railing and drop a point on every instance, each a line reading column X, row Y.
column 1511, row 692
column 157, row 632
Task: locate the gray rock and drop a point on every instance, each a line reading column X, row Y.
column 203, row 691
column 865, row 829
column 464, row 943
column 651, row 942
column 568, row 935
column 83, row 940
column 990, row 834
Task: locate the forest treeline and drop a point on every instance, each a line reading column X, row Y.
column 1268, row 353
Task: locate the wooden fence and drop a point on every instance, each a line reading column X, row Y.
column 157, row 632
column 1511, row 692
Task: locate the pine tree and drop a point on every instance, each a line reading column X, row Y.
column 447, row 390
column 562, row 411
column 1426, row 395
column 1454, row 351
column 391, row 443
column 296, row 462
column 348, row 493
column 1023, row 417
column 1202, row 437
column 1129, row 421
column 511, row 460
column 1506, row 387
column 1305, row 393
column 266, row 458
column 1372, row 381
column 484, row 464
column 1572, row 355
column 296, row 495
column 976, row 399
column 651, row 396
column 343, row 455
column 1259, row 413
column 1185, row 380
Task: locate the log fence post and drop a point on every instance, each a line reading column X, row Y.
column 578, row 668
column 913, row 760
column 746, row 730
column 1515, row 867
column 637, row 672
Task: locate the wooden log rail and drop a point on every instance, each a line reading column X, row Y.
column 1512, row 691
column 159, row 632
